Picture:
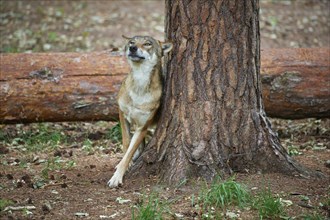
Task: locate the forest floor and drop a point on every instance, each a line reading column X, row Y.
column 60, row 170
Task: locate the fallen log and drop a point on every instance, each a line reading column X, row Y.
column 57, row 87
column 60, row 86
column 296, row 82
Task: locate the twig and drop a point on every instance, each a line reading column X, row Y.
column 19, row 208
column 56, row 184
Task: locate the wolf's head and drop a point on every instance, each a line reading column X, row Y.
column 140, row 49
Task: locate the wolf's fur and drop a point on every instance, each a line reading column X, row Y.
column 139, row 97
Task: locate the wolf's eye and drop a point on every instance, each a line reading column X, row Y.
column 147, row 44
column 131, row 42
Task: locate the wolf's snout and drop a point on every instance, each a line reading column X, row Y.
column 133, row 49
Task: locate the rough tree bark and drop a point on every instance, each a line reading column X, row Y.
column 213, row 119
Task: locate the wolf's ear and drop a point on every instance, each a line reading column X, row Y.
column 166, row 47
column 127, row 38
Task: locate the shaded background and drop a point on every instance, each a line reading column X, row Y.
column 46, row 25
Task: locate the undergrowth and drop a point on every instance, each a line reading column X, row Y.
column 221, row 194
column 268, row 205
column 150, row 208
column 114, row 134
column 40, row 139
column 4, row 203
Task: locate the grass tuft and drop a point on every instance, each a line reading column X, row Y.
column 42, row 138
column 115, row 134
column 4, row 203
column 221, row 194
column 268, row 206
column 150, row 208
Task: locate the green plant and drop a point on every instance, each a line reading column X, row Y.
column 273, row 21
column 40, row 138
column 45, row 136
column 221, row 194
column 4, row 137
column 114, row 134
column 4, row 203
column 88, row 146
column 52, row 36
column 56, row 164
column 268, row 206
column 293, row 150
column 70, row 164
column 150, row 208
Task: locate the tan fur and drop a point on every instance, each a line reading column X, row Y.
column 139, row 96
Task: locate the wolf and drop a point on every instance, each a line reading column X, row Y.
column 139, row 97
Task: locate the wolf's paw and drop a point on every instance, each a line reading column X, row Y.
column 116, row 180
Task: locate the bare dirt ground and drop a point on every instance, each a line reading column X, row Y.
column 60, row 170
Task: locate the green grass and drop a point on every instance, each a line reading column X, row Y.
column 150, row 208
column 4, row 203
column 223, row 193
column 114, row 134
column 87, row 146
column 43, row 137
column 268, row 206
column 39, row 139
column 214, row 201
column 56, row 163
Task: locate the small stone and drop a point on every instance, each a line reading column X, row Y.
column 46, row 208
column 54, row 192
column 273, row 36
column 305, row 20
column 47, row 46
column 327, row 163
column 231, row 215
column 35, row 159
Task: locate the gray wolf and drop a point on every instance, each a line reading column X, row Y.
column 139, row 97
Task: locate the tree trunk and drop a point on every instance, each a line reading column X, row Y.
column 213, row 118
column 84, row 86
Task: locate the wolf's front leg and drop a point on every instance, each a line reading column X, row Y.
column 117, row 178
